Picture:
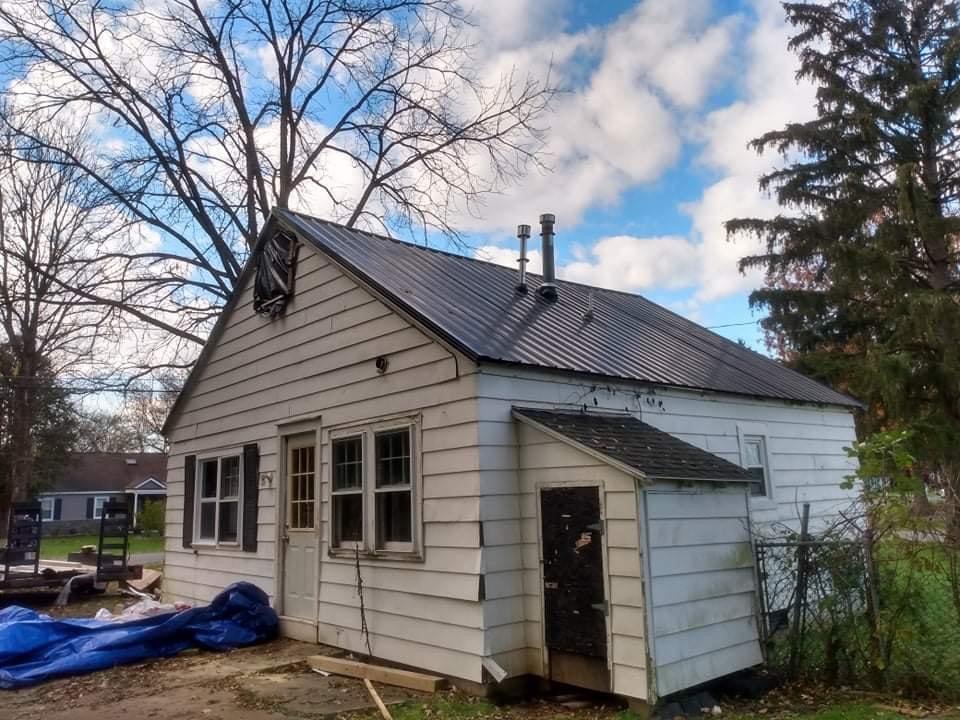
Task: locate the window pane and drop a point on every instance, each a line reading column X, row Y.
column 393, row 458
column 208, row 519
column 228, row 521
column 758, row 485
column 208, row 479
column 347, row 463
column 230, row 477
column 753, row 452
column 347, row 518
column 306, row 514
column 393, row 518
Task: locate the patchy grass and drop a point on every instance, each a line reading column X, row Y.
column 57, row 548
column 455, row 706
column 449, row 707
column 840, row 711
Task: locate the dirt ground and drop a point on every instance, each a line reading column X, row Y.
column 273, row 682
column 267, row 682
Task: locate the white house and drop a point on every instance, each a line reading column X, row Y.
column 551, row 481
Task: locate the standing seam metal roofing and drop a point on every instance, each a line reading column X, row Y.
column 475, row 306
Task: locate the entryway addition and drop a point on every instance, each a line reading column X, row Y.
column 574, row 602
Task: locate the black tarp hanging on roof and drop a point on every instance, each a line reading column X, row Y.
column 276, row 268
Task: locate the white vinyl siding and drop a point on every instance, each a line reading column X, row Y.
column 804, row 444
column 318, row 361
column 702, row 583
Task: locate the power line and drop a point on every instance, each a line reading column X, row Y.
column 737, row 324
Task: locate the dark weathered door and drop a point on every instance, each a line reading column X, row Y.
column 573, row 594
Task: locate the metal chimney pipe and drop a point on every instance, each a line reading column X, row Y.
column 548, row 289
column 523, row 233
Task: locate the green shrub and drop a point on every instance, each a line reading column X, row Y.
column 151, row 519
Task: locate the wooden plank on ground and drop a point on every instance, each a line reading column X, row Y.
column 376, row 698
column 377, row 673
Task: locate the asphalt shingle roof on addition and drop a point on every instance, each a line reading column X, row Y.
column 631, row 442
column 474, row 305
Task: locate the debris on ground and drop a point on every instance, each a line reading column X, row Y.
column 148, row 582
column 36, row 647
column 380, row 673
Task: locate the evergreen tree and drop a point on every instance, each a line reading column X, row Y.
column 862, row 277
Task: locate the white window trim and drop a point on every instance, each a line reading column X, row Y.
column 197, row 500
column 98, row 512
column 412, row 550
column 750, row 430
column 43, row 508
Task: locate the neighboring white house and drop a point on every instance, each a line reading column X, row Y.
column 555, row 482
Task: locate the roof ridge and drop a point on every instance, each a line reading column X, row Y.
column 703, row 358
column 724, row 341
column 468, row 258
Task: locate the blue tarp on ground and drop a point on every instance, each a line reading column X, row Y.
column 35, row 647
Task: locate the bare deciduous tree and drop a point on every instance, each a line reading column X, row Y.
column 212, row 113
column 51, row 219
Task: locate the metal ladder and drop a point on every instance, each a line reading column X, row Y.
column 23, row 537
column 114, row 535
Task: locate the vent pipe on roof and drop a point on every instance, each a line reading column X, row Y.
column 523, row 233
column 548, row 289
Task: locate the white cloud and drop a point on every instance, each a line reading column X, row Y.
column 660, row 42
column 624, row 262
column 507, row 256
column 620, row 262
column 770, row 97
column 616, row 125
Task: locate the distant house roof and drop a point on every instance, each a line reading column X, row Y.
column 112, row 472
column 475, row 307
column 634, row 445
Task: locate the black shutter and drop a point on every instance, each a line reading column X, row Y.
column 89, row 508
column 251, row 490
column 57, row 508
column 189, row 487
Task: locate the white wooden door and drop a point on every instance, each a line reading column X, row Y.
column 300, row 561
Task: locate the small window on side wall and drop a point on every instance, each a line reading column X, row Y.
column 47, row 506
column 754, row 459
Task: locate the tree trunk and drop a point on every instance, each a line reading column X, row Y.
column 17, row 485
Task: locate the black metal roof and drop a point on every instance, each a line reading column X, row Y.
column 474, row 305
column 631, row 442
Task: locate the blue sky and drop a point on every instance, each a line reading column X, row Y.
column 648, row 143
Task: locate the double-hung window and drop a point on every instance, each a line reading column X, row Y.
column 98, row 502
column 47, row 505
column 373, row 489
column 218, row 499
column 754, row 458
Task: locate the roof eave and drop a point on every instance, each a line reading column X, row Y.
column 852, row 403
column 634, row 472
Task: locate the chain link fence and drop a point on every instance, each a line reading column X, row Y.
column 872, row 600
